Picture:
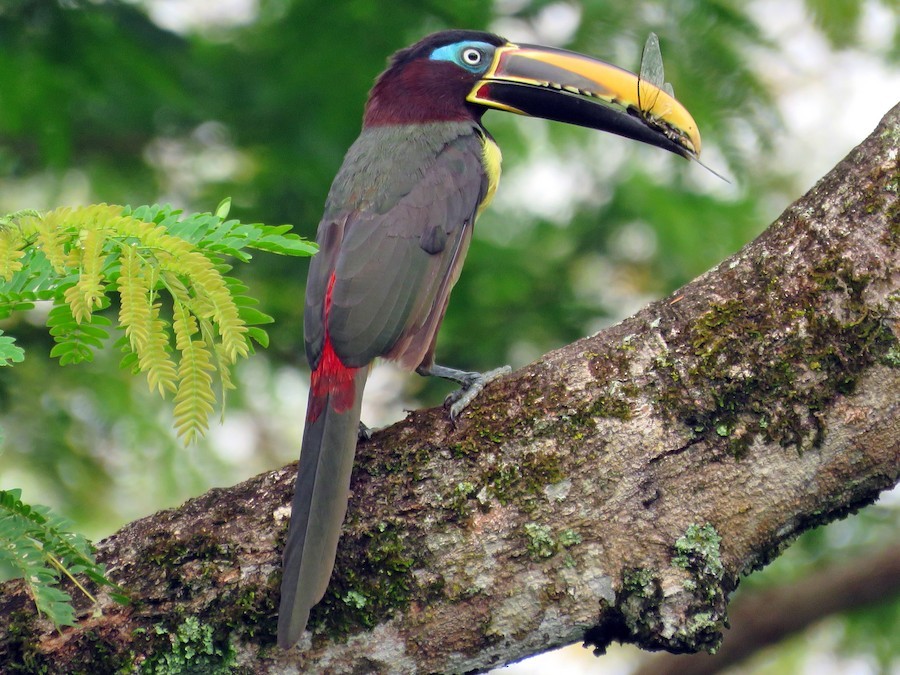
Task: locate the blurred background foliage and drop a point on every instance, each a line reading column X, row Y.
column 187, row 102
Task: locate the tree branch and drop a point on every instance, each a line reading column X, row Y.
column 769, row 616
column 616, row 489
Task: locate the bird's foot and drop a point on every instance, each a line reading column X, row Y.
column 471, row 384
column 364, row 433
column 460, row 399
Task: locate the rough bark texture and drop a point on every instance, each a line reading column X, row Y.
column 767, row 617
column 616, row 489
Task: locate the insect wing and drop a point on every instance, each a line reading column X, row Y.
column 651, row 73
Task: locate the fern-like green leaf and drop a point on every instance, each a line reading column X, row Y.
column 276, row 240
column 210, row 283
column 253, row 318
column 88, row 292
column 37, row 546
column 52, row 241
column 195, row 397
column 36, row 280
column 161, row 263
column 135, row 301
column 16, row 302
column 76, row 341
column 223, row 208
column 155, row 360
column 11, row 252
column 185, row 326
column 225, row 379
column 10, row 352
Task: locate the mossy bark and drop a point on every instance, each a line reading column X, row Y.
column 617, row 489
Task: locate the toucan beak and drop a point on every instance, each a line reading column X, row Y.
column 568, row 87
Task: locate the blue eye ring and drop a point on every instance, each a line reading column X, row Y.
column 473, row 56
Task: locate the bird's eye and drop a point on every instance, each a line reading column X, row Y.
column 471, row 56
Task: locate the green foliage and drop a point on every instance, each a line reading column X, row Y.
column 191, row 649
column 873, row 630
column 80, row 259
column 838, row 19
column 38, row 547
column 9, row 352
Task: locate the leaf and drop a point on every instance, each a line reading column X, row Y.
column 38, row 546
column 195, row 397
column 155, row 360
column 11, row 252
column 135, row 301
column 76, row 342
column 162, row 263
column 9, row 351
column 285, row 244
column 223, row 208
column 259, row 336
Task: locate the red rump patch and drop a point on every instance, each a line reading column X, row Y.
column 332, row 382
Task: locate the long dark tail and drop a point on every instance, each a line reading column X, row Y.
column 319, row 506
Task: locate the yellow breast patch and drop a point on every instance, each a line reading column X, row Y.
column 491, row 158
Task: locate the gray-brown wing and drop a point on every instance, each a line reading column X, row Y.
column 395, row 258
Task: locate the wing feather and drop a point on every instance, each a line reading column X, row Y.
column 394, row 240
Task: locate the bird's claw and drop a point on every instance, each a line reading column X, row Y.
column 459, row 400
column 364, row 433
